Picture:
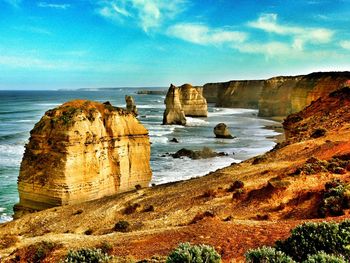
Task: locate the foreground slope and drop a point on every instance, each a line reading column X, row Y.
column 280, row 190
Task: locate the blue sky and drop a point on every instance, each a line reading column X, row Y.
column 115, row 43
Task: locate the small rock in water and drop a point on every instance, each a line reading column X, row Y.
column 174, row 140
column 201, row 154
column 221, row 131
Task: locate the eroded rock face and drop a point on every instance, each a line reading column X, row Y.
column 221, row 131
column 130, row 105
column 82, row 151
column 183, row 101
column 276, row 97
column 173, row 113
column 282, row 96
column 236, row 93
column 192, row 101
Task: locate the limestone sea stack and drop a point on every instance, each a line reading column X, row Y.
column 130, row 105
column 173, row 113
column 192, row 101
column 82, row 151
column 183, row 101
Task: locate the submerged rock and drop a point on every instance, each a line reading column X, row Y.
column 82, row 151
column 130, row 105
column 201, row 154
column 221, row 131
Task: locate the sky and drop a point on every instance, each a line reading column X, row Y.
column 151, row 43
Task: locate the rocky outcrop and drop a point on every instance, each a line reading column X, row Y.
column 173, row 113
column 200, row 154
column 130, row 105
column 235, row 94
column 82, row 151
column 327, row 113
column 192, row 101
column 221, row 131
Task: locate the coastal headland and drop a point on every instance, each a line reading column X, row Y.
column 243, row 206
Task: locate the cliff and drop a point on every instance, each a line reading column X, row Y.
column 82, row 151
column 282, row 96
column 235, row 94
column 276, row 97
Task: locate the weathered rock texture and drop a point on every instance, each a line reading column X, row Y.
column 183, row 101
column 237, row 94
column 275, row 97
column 130, row 105
column 192, row 101
column 282, row 96
column 221, row 131
column 82, row 151
column 173, row 113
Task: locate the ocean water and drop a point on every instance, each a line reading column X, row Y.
column 20, row 110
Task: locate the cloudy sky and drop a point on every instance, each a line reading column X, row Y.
column 101, row 43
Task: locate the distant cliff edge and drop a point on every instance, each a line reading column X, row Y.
column 276, row 97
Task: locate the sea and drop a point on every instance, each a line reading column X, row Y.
column 20, row 110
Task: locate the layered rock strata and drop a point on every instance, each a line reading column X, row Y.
column 276, row 97
column 82, row 151
column 183, row 101
column 236, row 94
column 192, row 101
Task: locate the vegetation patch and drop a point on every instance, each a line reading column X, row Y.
column 86, row 255
column 122, row 226
column 335, row 199
column 193, row 254
column 267, row 255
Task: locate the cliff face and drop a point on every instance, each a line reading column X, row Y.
column 282, row 96
column 82, row 151
column 192, row 101
column 237, row 94
column 275, row 97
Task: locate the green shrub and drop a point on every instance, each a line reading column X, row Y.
column 186, row 253
column 87, row 255
column 311, row 238
column 267, row 255
column 122, row 226
column 322, row 257
column 334, row 199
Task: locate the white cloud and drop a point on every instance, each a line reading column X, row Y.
column 55, row 6
column 204, row 35
column 148, row 14
column 300, row 35
column 269, row 49
column 33, row 29
column 345, row 44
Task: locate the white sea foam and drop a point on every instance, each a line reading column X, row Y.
column 147, row 106
column 182, row 169
column 11, row 155
column 228, row 111
column 5, row 218
column 191, row 122
column 48, row 104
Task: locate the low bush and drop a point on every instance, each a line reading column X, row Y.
column 193, row 254
column 86, row 255
column 267, row 255
column 322, row 257
column 311, row 238
column 122, row 226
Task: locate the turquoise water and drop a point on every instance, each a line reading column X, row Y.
column 20, row 110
